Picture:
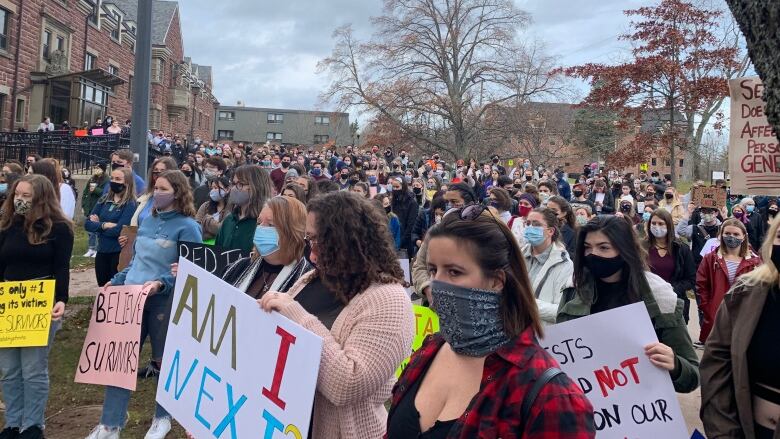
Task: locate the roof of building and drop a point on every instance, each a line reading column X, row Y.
column 278, row 110
column 163, row 12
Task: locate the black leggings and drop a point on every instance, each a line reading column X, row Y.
column 105, row 267
column 763, row 432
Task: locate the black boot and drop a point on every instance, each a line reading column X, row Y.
column 10, row 433
column 33, row 432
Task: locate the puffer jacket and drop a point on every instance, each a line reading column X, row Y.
column 665, row 311
column 712, row 284
column 548, row 284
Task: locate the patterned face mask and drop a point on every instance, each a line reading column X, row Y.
column 470, row 319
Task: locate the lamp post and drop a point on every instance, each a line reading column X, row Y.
column 142, row 77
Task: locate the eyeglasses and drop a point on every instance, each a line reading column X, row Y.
column 238, row 185
column 311, row 241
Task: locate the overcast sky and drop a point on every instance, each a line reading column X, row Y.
column 265, row 53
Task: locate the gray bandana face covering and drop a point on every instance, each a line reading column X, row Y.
column 469, row 318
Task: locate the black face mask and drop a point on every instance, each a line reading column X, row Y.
column 388, row 209
column 417, row 190
column 187, row 173
column 117, row 188
column 285, row 164
column 776, row 256
column 603, row 267
column 772, row 212
column 577, row 194
column 668, row 196
column 529, row 177
column 517, row 186
column 116, row 165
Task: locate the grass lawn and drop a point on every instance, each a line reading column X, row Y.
column 68, row 399
column 80, row 245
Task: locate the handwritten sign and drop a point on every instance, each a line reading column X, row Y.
column 112, row 346
column 604, row 354
column 231, row 369
column 25, row 313
column 426, row 322
column 712, row 197
column 754, row 151
column 211, row 258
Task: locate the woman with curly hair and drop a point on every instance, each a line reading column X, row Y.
column 361, row 311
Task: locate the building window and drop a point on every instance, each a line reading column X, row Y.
column 94, row 16
column 653, row 161
column 20, row 110
column 90, row 61
column 4, row 29
column 681, row 162
column 319, row 139
column 155, row 119
column 321, row 120
column 227, row 115
column 116, row 32
column 157, row 69
column 46, row 41
column 60, row 44
column 92, row 101
column 667, row 162
column 114, row 70
column 225, row 134
column 275, row 118
column 273, row 136
column 130, row 88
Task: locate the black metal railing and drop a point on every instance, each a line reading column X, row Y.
column 77, row 153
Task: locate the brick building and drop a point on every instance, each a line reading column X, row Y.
column 73, row 60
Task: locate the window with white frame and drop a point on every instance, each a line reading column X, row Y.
column 275, row 118
column 321, row 120
column 225, row 134
column 273, row 136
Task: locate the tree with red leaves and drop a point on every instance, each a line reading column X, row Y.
column 682, row 57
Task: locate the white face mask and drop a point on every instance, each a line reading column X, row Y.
column 658, row 231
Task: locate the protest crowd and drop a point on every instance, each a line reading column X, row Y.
column 501, row 251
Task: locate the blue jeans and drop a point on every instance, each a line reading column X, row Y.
column 92, row 243
column 154, row 324
column 25, row 382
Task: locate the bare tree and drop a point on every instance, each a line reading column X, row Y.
column 436, row 67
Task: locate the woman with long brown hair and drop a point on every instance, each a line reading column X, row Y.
column 50, row 169
column 36, row 241
column 156, row 250
column 360, row 309
column 462, row 383
column 251, row 187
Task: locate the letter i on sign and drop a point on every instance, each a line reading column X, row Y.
column 281, row 361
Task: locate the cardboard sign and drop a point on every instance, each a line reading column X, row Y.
column 126, row 255
column 426, row 322
column 211, row 258
column 25, row 313
column 604, row 353
column 231, row 370
column 713, row 197
column 112, row 346
column 754, row 151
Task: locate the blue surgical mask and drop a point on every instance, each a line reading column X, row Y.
column 534, row 235
column 750, row 208
column 646, row 216
column 3, row 188
column 266, row 240
column 316, row 172
column 408, row 179
column 216, row 195
column 470, row 319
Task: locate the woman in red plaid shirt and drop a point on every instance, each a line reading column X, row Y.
column 475, row 379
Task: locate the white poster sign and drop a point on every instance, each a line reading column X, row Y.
column 231, row 370
column 604, row 353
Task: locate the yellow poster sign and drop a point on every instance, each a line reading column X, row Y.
column 426, row 322
column 25, row 313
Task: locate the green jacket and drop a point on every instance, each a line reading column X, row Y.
column 89, row 198
column 235, row 233
column 665, row 311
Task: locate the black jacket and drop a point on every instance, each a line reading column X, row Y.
column 608, row 205
column 406, row 208
column 756, row 229
column 421, row 225
column 684, row 277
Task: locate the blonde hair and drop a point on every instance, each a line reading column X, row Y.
column 290, row 222
column 766, row 272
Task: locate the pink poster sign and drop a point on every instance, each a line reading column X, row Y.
column 111, row 348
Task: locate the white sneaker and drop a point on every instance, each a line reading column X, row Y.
column 94, row 253
column 88, row 254
column 159, row 429
column 103, row 432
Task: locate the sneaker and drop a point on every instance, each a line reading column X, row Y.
column 33, row 432
column 10, row 433
column 94, row 254
column 159, row 429
column 103, row 432
column 150, row 371
column 88, row 254
column 698, row 345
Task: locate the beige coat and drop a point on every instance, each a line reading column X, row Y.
column 360, row 354
column 725, row 387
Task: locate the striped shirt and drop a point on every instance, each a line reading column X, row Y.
column 731, row 267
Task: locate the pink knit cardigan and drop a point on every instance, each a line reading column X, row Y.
column 360, row 354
